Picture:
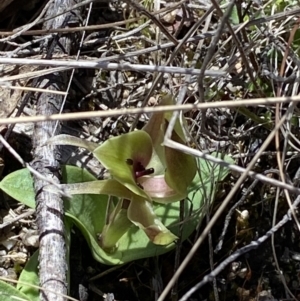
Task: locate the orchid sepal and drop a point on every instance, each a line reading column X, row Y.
column 112, row 232
column 123, row 154
column 179, row 168
column 142, row 215
column 122, row 218
column 159, row 191
column 107, row 187
column 64, row 139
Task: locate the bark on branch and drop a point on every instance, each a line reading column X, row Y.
column 49, row 206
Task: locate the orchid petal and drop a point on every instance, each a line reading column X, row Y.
column 160, row 192
column 112, row 232
column 74, row 141
column 108, row 187
column 142, row 215
column 155, row 129
column 181, row 168
column 115, row 153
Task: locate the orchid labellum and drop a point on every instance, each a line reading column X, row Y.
column 142, row 171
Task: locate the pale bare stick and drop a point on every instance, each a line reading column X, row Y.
column 185, row 107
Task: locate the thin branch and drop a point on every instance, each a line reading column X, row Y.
column 95, row 64
column 172, row 108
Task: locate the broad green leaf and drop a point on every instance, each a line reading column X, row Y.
column 88, row 212
column 134, row 244
column 121, row 155
column 10, row 293
column 209, row 173
column 234, row 18
column 89, row 209
column 29, row 276
column 19, row 185
column 90, row 234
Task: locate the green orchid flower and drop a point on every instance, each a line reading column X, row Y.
column 142, row 171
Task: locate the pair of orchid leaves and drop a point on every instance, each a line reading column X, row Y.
column 142, row 171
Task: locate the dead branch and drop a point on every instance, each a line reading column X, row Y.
column 49, row 207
